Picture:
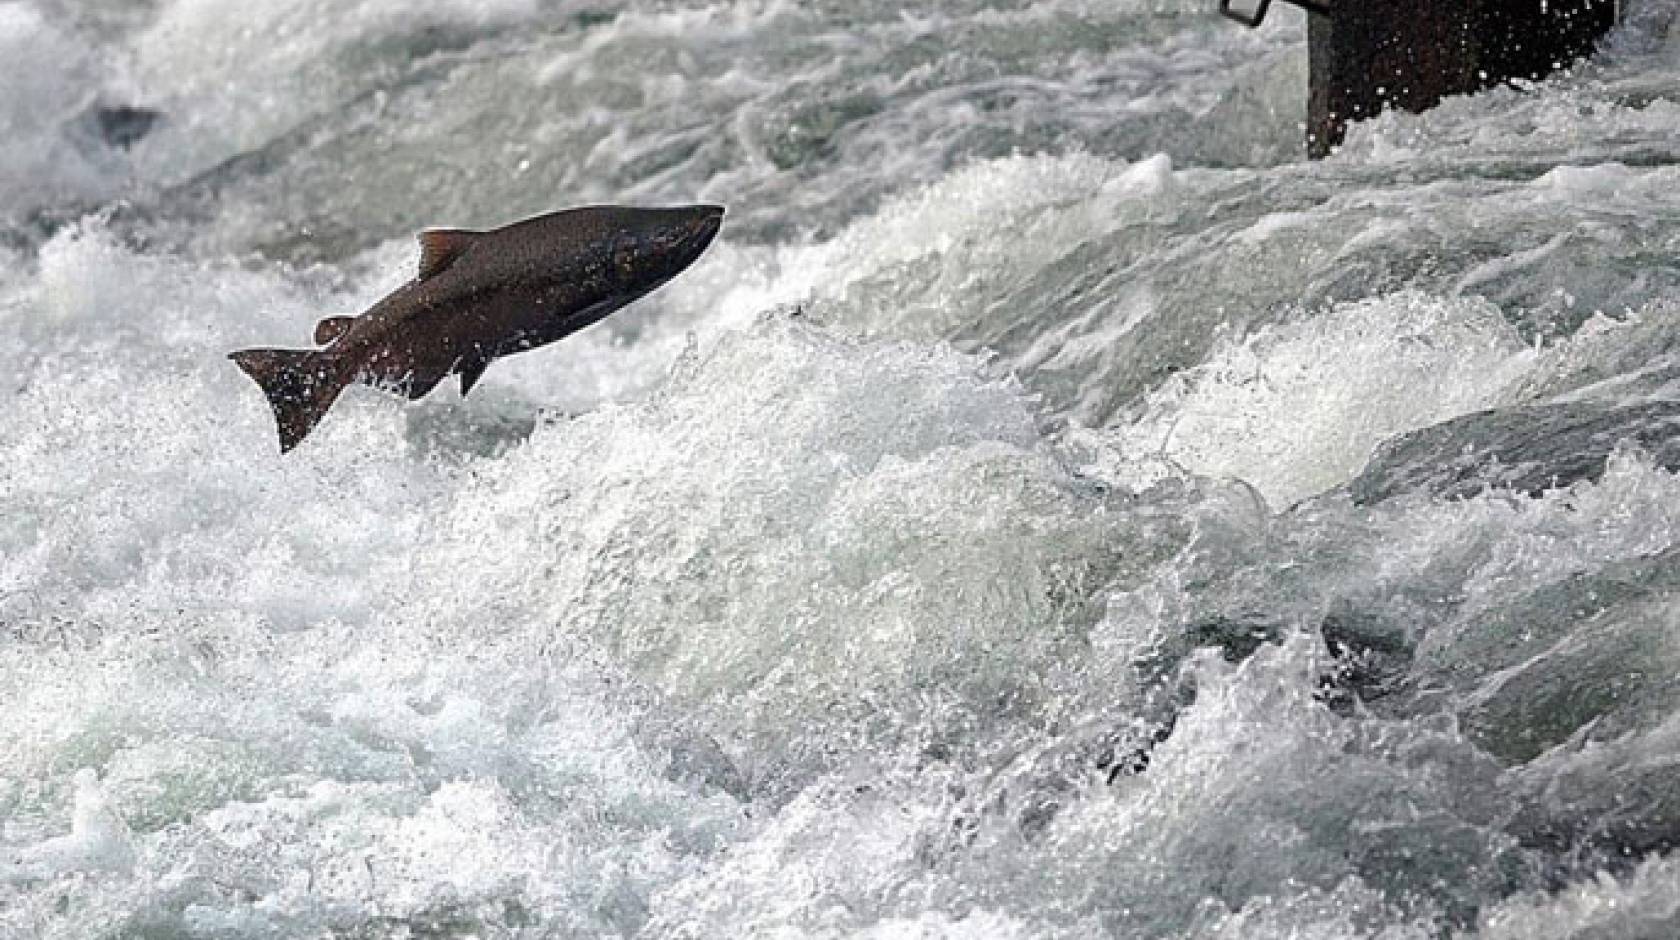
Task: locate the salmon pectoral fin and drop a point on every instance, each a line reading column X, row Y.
column 301, row 385
column 329, row 330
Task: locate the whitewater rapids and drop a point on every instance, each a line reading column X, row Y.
column 1051, row 509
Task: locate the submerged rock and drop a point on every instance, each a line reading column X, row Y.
column 122, row 126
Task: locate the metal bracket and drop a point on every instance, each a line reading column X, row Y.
column 1254, row 18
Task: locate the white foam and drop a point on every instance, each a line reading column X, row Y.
column 1643, row 905
column 806, row 624
column 1298, row 408
column 231, row 76
column 99, row 841
column 770, row 539
column 47, row 76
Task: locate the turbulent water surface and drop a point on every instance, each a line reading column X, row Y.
column 1051, row 509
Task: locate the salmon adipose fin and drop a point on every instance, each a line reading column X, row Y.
column 301, row 384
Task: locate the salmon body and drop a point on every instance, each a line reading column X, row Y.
column 480, row 296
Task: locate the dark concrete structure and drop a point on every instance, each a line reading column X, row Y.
column 1367, row 55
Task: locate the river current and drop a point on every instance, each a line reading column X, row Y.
column 1052, row 508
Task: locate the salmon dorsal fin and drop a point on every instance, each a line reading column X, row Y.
column 439, row 247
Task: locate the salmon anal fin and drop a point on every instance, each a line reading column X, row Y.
column 330, row 329
column 471, row 372
column 439, row 247
column 416, row 388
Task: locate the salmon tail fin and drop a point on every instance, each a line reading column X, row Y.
column 301, row 384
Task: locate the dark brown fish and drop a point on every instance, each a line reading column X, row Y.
column 480, row 296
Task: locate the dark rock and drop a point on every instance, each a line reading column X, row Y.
column 124, row 125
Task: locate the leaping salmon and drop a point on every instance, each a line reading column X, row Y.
column 480, row 296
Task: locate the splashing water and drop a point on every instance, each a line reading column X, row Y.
column 1052, row 509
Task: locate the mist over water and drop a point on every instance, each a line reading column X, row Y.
column 1051, row 508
